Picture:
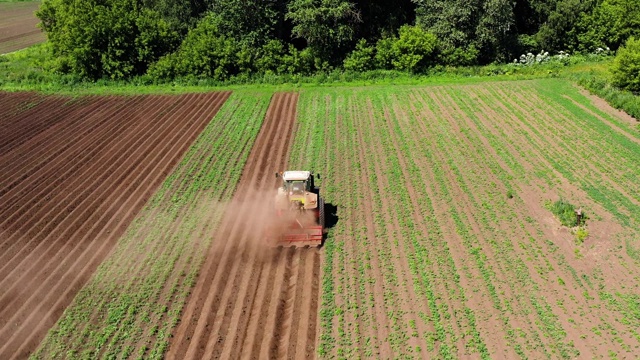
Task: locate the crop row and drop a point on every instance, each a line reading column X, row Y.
column 440, row 248
column 535, row 133
column 132, row 303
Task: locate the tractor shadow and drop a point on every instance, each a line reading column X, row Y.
column 330, row 220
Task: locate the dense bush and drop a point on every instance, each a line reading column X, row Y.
column 610, row 24
column 109, row 38
column 415, row 49
column 360, row 59
column 224, row 39
column 205, row 52
column 626, row 66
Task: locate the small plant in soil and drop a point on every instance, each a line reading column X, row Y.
column 581, row 234
column 566, row 213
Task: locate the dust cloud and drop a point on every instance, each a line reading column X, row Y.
column 251, row 220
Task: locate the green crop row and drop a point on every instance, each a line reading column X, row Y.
column 134, row 299
column 428, row 185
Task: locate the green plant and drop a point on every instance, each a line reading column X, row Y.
column 415, row 49
column 361, row 58
column 566, row 213
column 626, row 66
column 581, row 234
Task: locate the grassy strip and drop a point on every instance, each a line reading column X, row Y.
column 134, row 300
column 619, row 99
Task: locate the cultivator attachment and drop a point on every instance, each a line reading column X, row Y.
column 297, row 232
column 311, row 236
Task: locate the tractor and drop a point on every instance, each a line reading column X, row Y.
column 299, row 211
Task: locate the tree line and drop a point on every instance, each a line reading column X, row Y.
column 219, row 39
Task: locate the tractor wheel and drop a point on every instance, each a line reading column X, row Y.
column 321, row 211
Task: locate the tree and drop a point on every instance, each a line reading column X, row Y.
column 360, row 59
column 496, row 36
column 327, row 26
column 484, row 28
column 454, row 22
column 611, row 24
column 560, row 31
column 626, row 66
column 109, row 38
column 383, row 17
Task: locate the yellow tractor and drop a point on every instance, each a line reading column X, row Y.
column 299, row 211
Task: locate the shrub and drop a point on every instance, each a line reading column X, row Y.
column 566, row 213
column 203, row 53
column 384, row 53
column 626, row 66
column 271, row 58
column 360, row 59
column 415, row 49
column 581, row 234
column 299, row 61
column 111, row 38
column 459, row 56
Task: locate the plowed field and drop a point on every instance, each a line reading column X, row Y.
column 442, row 244
column 18, row 28
column 73, row 175
column 248, row 304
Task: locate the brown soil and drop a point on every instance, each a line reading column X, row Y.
column 74, row 175
column 251, row 301
column 18, row 26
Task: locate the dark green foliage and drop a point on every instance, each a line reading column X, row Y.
column 254, row 22
column 626, row 66
column 180, row 14
column 559, row 32
column 205, row 52
column 112, row 38
column 471, row 25
column 220, row 39
column 327, row 26
column 566, row 213
column 382, row 17
column 496, row 36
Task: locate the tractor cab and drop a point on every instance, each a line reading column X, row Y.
column 297, row 189
column 296, row 185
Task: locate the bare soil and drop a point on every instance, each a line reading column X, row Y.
column 74, row 174
column 18, row 26
column 251, row 301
